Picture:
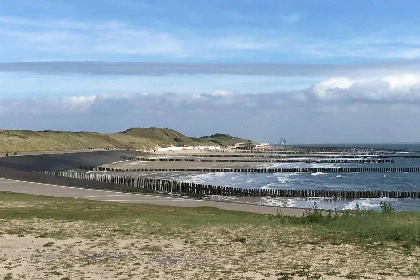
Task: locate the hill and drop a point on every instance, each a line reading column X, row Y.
column 133, row 138
column 221, row 139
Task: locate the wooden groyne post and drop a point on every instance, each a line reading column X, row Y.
column 194, row 189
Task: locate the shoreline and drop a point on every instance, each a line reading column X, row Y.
column 46, row 189
column 17, row 167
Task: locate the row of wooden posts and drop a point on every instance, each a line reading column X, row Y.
column 318, row 151
column 291, row 160
column 272, row 170
column 270, row 156
column 193, row 189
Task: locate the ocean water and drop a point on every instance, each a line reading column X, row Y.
column 333, row 181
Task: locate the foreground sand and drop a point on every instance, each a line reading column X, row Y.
column 71, row 238
column 213, row 255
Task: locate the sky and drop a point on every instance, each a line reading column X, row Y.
column 310, row 71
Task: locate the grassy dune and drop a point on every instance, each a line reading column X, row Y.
column 134, row 138
column 56, row 238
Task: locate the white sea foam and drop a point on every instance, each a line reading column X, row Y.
column 317, row 173
column 118, row 161
column 204, row 178
column 197, row 178
column 284, row 178
column 279, row 202
column 367, row 203
column 324, row 165
column 362, row 203
column 268, row 186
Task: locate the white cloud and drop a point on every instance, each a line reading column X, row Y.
column 114, row 37
column 45, row 107
column 75, row 103
column 326, row 88
column 221, row 92
column 396, row 88
column 256, row 116
column 71, row 37
column 294, row 72
column 53, row 86
column 402, row 81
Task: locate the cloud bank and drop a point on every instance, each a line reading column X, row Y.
column 247, row 69
column 393, row 89
column 338, row 109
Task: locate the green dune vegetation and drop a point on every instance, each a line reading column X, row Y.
column 133, row 138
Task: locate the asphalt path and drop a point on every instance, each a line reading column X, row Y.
column 45, row 189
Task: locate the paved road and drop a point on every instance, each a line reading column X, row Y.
column 114, row 196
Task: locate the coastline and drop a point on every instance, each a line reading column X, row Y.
column 78, row 228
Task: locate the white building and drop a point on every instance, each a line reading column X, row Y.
column 209, row 148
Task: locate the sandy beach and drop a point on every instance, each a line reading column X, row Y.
column 213, row 255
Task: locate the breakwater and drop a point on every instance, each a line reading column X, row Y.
column 268, row 155
column 199, row 190
column 289, row 160
column 272, row 170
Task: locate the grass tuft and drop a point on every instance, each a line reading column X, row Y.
column 364, row 226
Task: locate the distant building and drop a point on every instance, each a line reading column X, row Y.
column 207, row 148
column 262, row 145
column 244, row 146
column 239, row 145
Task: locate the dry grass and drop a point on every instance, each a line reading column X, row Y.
column 138, row 138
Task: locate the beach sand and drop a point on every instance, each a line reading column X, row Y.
column 217, row 253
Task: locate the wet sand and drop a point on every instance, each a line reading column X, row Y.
column 63, row 160
column 19, row 167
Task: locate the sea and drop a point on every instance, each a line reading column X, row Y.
column 406, row 155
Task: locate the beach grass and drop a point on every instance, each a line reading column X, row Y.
column 219, row 243
column 361, row 226
column 349, row 226
column 135, row 138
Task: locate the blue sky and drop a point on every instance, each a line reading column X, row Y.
column 344, row 71
column 210, row 31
